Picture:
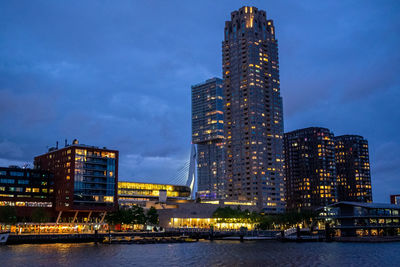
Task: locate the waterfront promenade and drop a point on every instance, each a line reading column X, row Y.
column 99, row 237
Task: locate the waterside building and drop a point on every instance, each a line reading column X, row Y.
column 353, row 169
column 27, row 190
column 85, row 180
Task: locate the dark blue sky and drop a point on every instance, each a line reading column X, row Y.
column 118, row 74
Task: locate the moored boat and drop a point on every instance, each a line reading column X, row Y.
column 4, row 237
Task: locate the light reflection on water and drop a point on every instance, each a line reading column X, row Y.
column 204, row 253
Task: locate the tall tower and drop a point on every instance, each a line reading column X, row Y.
column 310, row 169
column 353, row 170
column 208, row 135
column 253, row 110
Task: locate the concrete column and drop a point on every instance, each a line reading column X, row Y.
column 59, row 216
column 104, row 215
column 88, row 218
column 76, row 215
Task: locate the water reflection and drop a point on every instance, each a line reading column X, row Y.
column 217, row 253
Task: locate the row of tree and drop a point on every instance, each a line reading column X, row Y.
column 133, row 215
column 227, row 214
column 263, row 221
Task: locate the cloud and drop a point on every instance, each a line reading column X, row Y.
column 151, row 169
column 119, row 75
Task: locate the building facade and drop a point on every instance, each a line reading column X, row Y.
column 85, row 177
column 310, row 169
column 349, row 219
column 26, row 190
column 208, row 135
column 253, row 110
column 395, row 199
column 201, row 215
column 133, row 193
column 353, row 169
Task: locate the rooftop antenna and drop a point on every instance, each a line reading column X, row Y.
column 57, row 145
column 66, row 144
column 25, row 165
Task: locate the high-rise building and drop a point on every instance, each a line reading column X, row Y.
column 352, row 168
column 85, row 178
column 310, row 170
column 208, row 135
column 253, row 110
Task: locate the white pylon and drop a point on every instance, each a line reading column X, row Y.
column 192, row 174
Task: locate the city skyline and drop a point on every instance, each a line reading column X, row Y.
column 93, row 84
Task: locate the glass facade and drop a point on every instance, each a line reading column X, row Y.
column 208, row 223
column 362, row 219
column 133, row 189
column 208, row 135
column 94, row 180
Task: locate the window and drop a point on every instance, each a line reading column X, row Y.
column 23, row 181
column 35, row 190
column 7, row 181
column 3, row 173
column 16, row 174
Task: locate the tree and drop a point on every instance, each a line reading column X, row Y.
column 134, row 215
column 266, row 222
column 287, row 219
column 40, row 215
column 8, row 215
column 138, row 215
column 228, row 214
column 152, row 216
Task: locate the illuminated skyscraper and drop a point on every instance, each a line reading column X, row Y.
column 208, row 135
column 353, row 170
column 310, row 169
column 253, row 110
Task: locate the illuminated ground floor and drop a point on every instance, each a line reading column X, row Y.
column 207, row 223
column 53, row 228
column 368, row 231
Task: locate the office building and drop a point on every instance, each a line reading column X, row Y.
column 85, row 179
column 253, row 110
column 310, row 169
column 26, row 190
column 208, row 135
column 134, row 193
column 353, row 169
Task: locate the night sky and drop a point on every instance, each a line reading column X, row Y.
column 118, row 74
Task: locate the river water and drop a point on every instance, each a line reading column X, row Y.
column 204, row 253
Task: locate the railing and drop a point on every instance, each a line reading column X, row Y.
column 232, row 232
column 290, row 231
